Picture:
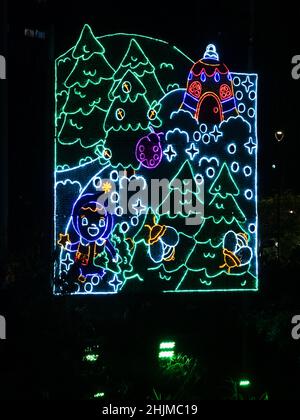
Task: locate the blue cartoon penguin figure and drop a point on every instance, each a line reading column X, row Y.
column 93, row 225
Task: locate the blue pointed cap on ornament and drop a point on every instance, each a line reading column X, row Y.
column 211, row 53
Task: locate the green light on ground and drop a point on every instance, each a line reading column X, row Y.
column 245, row 383
column 92, row 358
column 166, row 354
column 99, row 395
column 169, row 345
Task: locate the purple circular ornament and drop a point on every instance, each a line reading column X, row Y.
column 149, row 151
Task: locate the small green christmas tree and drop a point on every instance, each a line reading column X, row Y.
column 121, row 264
column 130, row 112
column 138, row 63
column 182, row 208
column 130, row 108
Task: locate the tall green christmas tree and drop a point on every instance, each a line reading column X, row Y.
column 222, row 215
column 88, row 85
column 64, row 66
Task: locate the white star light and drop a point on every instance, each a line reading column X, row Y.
column 248, row 84
column 251, row 146
column 170, row 153
column 115, row 283
column 139, row 208
column 216, row 134
column 192, row 151
column 67, row 262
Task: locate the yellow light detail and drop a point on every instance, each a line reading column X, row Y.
column 171, row 257
column 81, row 279
column 152, row 113
column 107, row 187
column 120, row 113
column 63, row 240
column 161, row 231
column 97, row 209
column 231, row 260
column 107, row 154
column 245, row 236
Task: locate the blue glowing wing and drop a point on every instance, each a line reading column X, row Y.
column 171, row 237
column 245, row 255
column 156, row 252
column 230, row 241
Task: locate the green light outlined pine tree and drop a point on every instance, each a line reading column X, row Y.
column 130, row 108
column 184, row 201
column 122, row 264
column 138, row 63
column 130, row 112
column 88, row 83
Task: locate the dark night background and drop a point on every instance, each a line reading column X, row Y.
column 230, row 335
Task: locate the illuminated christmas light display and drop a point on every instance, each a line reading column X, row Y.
column 127, row 119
